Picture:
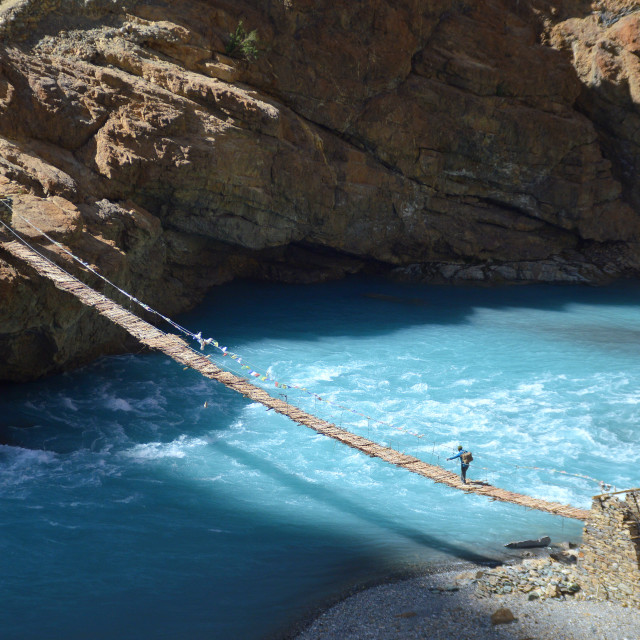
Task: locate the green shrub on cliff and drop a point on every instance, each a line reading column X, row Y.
column 242, row 44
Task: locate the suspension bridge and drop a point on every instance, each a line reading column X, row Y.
column 178, row 349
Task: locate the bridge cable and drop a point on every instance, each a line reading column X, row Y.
column 224, row 351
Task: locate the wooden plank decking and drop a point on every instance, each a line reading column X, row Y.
column 179, row 350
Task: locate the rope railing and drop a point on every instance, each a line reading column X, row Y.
column 203, row 342
column 7, row 202
column 177, row 349
column 244, row 366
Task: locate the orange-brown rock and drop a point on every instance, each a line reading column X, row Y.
column 603, row 42
column 450, row 140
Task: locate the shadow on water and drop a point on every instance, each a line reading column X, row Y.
column 350, row 507
column 246, row 310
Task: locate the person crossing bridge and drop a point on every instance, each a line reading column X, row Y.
column 465, row 459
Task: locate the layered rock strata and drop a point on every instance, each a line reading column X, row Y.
column 448, row 141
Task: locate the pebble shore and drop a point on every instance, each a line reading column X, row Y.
column 514, row 602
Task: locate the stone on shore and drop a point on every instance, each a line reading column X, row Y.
column 502, row 616
column 529, row 544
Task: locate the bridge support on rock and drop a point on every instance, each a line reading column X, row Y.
column 177, row 349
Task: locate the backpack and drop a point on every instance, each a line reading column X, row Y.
column 466, row 457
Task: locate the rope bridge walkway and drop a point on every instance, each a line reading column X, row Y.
column 177, row 349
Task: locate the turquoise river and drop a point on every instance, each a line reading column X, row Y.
column 140, row 500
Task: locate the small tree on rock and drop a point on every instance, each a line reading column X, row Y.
column 242, row 44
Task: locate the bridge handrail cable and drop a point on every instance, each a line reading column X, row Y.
column 236, row 357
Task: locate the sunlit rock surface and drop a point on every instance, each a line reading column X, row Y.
column 447, row 141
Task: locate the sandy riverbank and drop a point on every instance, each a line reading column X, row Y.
column 439, row 607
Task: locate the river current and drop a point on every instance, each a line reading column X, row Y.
column 132, row 510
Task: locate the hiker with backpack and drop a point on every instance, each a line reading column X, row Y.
column 465, row 459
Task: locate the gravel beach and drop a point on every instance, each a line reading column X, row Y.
column 443, row 607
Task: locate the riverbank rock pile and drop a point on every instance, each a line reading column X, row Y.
column 605, row 567
column 537, row 578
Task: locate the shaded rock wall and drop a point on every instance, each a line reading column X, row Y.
column 448, row 141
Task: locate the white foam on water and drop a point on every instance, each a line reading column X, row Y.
column 19, row 456
column 408, row 375
column 330, row 475
column 261, row 447
column 412, row 357
column 564, row 495
column 179, row 448
column 535, row 388
column 151, row 404
column 21, row 467
column 68, row 403
column 53, row 523
column 129, row 499
column 29, row 473
column 464, row 382
column 117, row 404
column 324, row 372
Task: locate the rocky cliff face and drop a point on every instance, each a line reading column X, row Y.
column 448, row 140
